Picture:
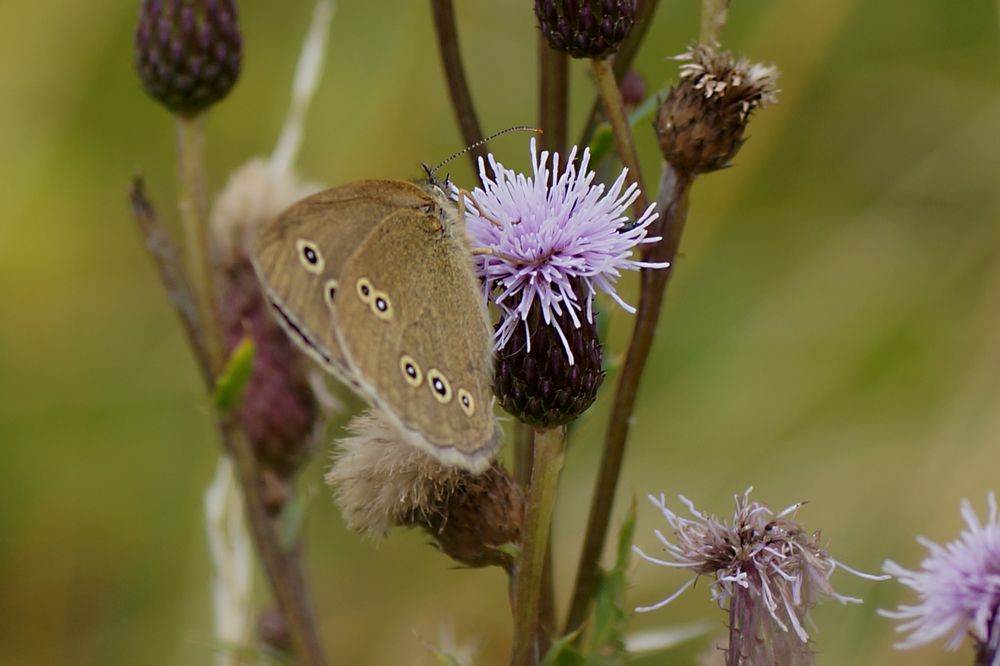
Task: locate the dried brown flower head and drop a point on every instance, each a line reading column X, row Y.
column 382, row 482
column 701, row 124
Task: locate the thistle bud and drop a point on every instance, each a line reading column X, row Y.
column 585, row 28
column 188, row 52
column 382, row 482
column 701, row 124
column 537, row 382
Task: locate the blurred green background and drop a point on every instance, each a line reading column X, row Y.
column 832, row 332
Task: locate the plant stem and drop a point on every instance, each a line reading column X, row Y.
column 672, row 206
column 166, row 257
column 524, row 452
column 553, row 91
column 614, row 108
column 458, row 87
column 622, row 61
column 541, row 499
column 282, row 568
column 713, row 19
column 194, row 218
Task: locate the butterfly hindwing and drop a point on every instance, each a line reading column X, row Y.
column 415, row 332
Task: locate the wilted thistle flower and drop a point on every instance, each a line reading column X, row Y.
column 557, row 238
column 768, row 573
column 585, row 28
column 701, row 124
column 959, row 589
column 188, row 52
column 382, row 482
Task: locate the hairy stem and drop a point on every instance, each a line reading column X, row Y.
column 541, row 499
column 713, row 19
column 166, row 257
column 194, row 219
column 553, row 91
column 622, row 61
column 283, row 568
column 614, row 108
column 458, row 86
column 672, row 206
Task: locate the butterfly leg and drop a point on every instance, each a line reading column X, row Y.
column 465, row 194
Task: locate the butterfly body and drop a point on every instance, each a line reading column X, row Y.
column 374, row 280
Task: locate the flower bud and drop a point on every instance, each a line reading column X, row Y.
column 701, row 124
column 535, row 380
column 585, row 28
column 188, row 52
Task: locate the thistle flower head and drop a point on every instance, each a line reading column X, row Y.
column 959, row 588
column 768, row 572
column 558, row 238
column 382, row 482
column 701, row 124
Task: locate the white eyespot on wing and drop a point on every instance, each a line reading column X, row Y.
column 411, row 371
column 439, row 386
column 310, row 256
column 381, row 305
column 466, row 402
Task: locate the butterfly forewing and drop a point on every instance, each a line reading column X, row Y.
column 414, row 330
column 299, row 257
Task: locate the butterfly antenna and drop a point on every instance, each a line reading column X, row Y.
column 518, row 128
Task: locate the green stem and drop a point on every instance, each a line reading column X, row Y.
column 553, row 91
column 548, row 461
column 194, row 219
column 524, row 452
column 672, row 206
column 713, row 19
column 614, row 109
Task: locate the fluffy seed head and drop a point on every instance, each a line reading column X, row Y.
column 382, row 482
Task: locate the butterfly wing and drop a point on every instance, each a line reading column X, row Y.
column 299, row 258
column 415, row 331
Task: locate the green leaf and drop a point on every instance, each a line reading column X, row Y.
column 563, row 653
column 606, row 644
column 232, row 383
column 444, row 659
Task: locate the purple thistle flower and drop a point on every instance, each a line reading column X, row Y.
column 959, row 589
column 548, row 231
column 768, row 573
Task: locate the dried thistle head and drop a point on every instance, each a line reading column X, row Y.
column 701, row 124
column 382, row 482
column 768, row 573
